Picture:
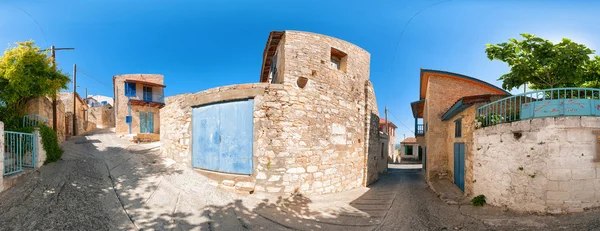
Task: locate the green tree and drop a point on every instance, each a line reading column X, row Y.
column 592, row 73
column 540, row 62
column 26, row 73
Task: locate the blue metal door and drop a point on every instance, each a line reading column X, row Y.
column 146, row 122
column 459, row 165
column 222, row 137
column 150, row 119
column 143, row 122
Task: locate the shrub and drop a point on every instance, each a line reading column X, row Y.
column 50, row 142
column 478, row 200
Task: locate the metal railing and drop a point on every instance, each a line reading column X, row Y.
column 149, row 98
column 419, row 130
column 34, row 120
column 19, row 151
column 543, row 103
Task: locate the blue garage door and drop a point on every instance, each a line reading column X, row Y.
column 222, row 137
column 459, row 165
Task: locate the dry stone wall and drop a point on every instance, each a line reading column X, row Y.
column 539, row 165
column 316, row 139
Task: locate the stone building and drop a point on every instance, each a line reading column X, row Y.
column 81, row 109
column 311, row 125
column 389, row 129
column 101, row 112
column 410, row 150
column 138, row 100
column 446, row 106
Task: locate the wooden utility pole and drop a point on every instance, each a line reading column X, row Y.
column 53, row 54
column 74, row 99
column 387, row 130
column 86, row 104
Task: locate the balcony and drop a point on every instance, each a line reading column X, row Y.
column 419, row 131
column 143, row 98
column 142, row 93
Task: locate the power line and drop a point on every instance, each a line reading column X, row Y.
column 36, row 22
column 97, row 81
column 405, row 25
column 401, row 122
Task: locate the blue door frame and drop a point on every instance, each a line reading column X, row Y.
column 459, row 165
column 222, row 137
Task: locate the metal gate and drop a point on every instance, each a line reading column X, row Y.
column 19, row 151
column 459, row 165
column 222, row 136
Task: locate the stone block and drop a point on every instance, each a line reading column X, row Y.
column 296, row 170
column 274, row 178
column 583, row 174
column 273, row 189
column 590, row 122
column 261, row 176
column 559, row 174
column 557, row 195
column 583, row 195
column 312, row 168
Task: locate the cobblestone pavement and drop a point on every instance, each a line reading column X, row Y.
column 106, row 183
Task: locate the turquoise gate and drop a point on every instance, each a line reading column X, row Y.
column 19, row 151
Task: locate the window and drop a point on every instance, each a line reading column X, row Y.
column 274, row 69
column 147, row 94
column 458, row 128
column 335, row 62
column 130, row 89
column 409, row 150
column 338, row 60
column 382, row 149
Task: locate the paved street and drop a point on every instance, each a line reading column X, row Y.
column 106, row 183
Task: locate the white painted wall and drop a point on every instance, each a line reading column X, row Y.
column 550, row 168
column 415, row 151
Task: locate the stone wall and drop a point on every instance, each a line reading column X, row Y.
column 40, row 151
column 102, row 116
column 121, row 109
column 539, row 165
column 43, row 106
column 468, row 127
column 316, row 139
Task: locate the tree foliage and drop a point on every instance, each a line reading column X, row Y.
column 542, row 63
column 592, row 74
column 26, row 73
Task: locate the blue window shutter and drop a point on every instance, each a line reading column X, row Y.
column 130, row 89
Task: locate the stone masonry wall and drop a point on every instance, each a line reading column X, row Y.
column 120, row 107
column 314, row 139
column 40, row 151
column 43, row 107
column 539, row 165
column 102, row 116
column 442, row 93
column 468, row 126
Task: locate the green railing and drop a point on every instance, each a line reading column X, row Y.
column 543, row 103
column 19, row 151
column 33, row 120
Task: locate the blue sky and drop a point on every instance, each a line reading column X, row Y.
column 199, row 45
